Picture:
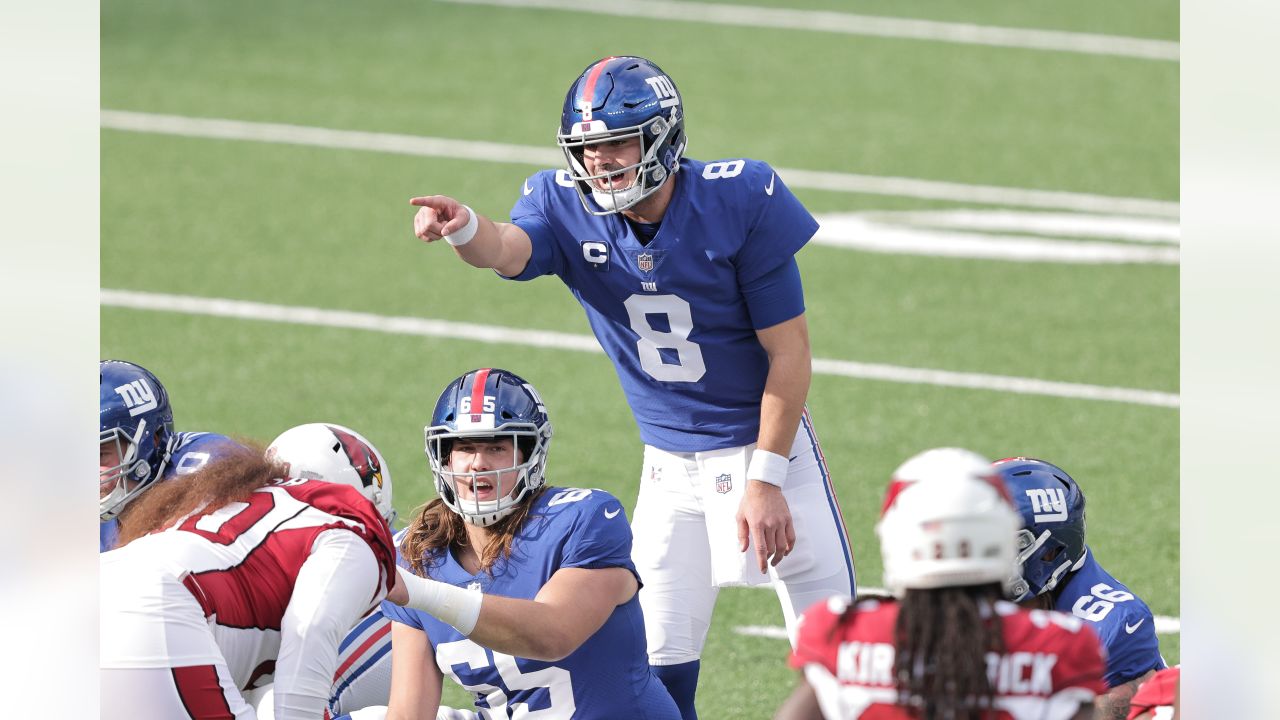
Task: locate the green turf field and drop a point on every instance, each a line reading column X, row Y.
column 305, row 225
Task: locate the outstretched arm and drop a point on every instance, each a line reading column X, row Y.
column 569, row 608
column 476, row 239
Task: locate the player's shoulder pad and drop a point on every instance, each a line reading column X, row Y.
column 569, row 504
column 205, row 442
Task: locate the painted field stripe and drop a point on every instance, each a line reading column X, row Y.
column 246, row 310
column 1001, row 383
column 859, row 233
column 850, row 24
column 222, row 129
column 1143, row 230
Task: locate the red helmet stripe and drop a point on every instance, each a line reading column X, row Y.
column 589, row 90
column 477, row 394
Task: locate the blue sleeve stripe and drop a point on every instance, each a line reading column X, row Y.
column 336, row 699
column 374, row 617
column 834, row 504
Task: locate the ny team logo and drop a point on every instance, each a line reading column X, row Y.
column 1048, row 504
column 724, row 483
column 138, row 397
column 664, row 89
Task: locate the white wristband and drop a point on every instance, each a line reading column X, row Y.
column 452, row 605
column 768, row 467
column 468, row 231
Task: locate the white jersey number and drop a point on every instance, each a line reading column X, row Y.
column 1097, row 605
column 556, row 680
column 689, row 365
column 723, row 169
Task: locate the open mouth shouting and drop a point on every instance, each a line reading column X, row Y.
column 616, row 181
column 478, row 488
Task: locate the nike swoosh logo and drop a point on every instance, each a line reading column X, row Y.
column 1130, row 628
column 612, row 515
column 527, row 189
column 768, row 190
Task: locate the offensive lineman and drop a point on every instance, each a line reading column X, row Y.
column 1057, row 570
column 137, row 444
column 523, row 594
column 686, row 271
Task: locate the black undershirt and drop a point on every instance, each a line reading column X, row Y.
column 645, row 232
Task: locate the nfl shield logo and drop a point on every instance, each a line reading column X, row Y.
column 645, row 262
column 724, row 483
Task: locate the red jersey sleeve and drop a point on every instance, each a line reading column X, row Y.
column 346, row 502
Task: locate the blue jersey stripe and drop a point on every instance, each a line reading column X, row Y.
column 335, row 699
column 374, row 617
column 807, row 424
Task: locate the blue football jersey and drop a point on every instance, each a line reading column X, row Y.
column 1122, row 620
column 190, row 453
column 671, row 314
column 608, row 675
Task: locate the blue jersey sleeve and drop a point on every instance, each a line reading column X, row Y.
column 1124, row 623
column 194, row 450
column 399, row 614
column 779, row 229
column 528, row 215
column 776, row 296
column 601, row 536
column 1131, row 644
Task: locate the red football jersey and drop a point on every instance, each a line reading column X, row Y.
column 241, row 562
column 1052, row 662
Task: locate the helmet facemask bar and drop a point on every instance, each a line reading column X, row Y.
column 655, row 134
column 530, row 447
column 132, row 469
column 1029, row 546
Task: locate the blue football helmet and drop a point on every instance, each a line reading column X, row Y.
column 614, row 99
column 1051, row 543
column 489, row 404
column 134, row 414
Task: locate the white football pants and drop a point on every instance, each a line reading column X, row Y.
column 686, row 541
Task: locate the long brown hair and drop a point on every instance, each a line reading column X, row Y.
column 228, row 479
column 436, row 527
column 942, row 637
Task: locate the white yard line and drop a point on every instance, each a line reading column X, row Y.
column 861, row 232
column 849, row 24
column 550, row 157
column 1146, row 230
column 242, row 309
